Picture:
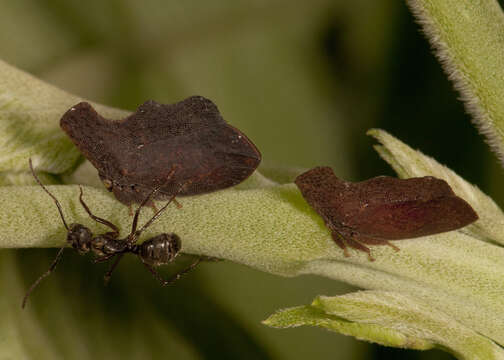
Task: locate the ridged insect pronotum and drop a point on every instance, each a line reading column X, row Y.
column 134, row 155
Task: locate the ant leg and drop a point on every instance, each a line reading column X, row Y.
column 103, row 258
column 114, row 234
column 134, row 233
column 43, row 276
column 173, row 278
column 108, row 275
column 137, row 233
column 132, row 236
column 211, row 259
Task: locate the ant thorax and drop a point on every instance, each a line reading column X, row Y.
column 103, row 245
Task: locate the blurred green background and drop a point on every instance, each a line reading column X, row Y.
column 304, row 81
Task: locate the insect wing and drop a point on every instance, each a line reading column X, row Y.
column 139, row 152
column 410, row 219
column 384, row 208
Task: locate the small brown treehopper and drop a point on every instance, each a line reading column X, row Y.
column 383, row 208
column 184, row 143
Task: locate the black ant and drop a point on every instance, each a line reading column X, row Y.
column 159, row 250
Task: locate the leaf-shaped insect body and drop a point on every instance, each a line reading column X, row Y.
column 137, row 154
column 383, row 208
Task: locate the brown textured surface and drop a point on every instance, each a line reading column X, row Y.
column 136, row 154
column 383, row 208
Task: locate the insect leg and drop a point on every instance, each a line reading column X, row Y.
column 108, row 275
column 137, row 233
column 44, row 275
column 374, row 241
column 340, row 241
column 134, row 224
column 132, row 237
column 174, row 277
column 210, row 259
column 358, row 246
column 392, row 246
column 134, row 233
column 115, row 233
column 103, row 258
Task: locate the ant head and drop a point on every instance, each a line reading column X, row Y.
column 79, row 237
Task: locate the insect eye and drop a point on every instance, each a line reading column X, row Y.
column 107, row 183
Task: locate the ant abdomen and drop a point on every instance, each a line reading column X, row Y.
column 159, row 250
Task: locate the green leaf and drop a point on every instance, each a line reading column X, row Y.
column 8, row 178
column 390, row 319
column 30, row 110
column 468, row 38
column 273, row 229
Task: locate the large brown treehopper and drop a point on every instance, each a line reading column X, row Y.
column 383, row 208
column 158, row 250
column 183, row 143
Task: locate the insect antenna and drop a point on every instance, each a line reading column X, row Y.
column 113, row 233
column 51, row 195
column 132, row 236
column 60, row 252
column 175, row 277
column 44, row 275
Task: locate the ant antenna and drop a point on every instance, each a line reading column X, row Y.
column 44, row 275
column 51, row 195
column 60, row 252
column 152, row 194
column 137, row 233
